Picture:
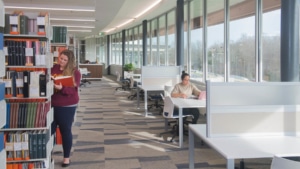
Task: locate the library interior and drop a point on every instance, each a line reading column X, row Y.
column 149, row 84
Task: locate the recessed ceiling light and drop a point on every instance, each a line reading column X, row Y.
column 75, row 30
column 52, row 9
column 70, row 19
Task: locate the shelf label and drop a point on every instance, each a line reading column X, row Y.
column 5, row 51
column 28, row 51
column 9, row 146
column 7, row 82
column 25, row 146
column 17, row 146
column 14, row 20
column 40, row 20
column 19, row 82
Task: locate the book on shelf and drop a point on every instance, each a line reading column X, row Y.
column 64, row 80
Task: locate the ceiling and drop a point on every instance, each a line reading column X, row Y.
column 107, row 13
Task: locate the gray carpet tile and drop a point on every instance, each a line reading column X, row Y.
column 110, row 132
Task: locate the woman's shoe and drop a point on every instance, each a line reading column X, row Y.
column 65, row 165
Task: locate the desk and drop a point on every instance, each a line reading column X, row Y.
column 95, row 70
column 232, row 148
column 181, row 103
column 146, row 89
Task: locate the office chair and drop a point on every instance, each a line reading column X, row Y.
column 156, row 98
column 125, row 83
column 168, row 113
column 84, row 74
column 284, row 163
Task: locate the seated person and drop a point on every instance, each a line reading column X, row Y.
column 185, row 89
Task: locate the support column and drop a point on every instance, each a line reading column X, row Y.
column 108, row 53
column 289, row 41
column 144, row 41
column 180, row 33
column 123, row 50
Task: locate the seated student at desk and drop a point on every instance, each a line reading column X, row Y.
column 184, row 90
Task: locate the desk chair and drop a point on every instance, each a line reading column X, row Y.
column 125, row 83
column 284, row 163
column 84, row 74
column 156, row 98
column 168, row 111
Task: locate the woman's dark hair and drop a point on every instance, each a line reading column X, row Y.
column 183, row 75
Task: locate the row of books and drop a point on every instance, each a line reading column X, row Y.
column 26, row 165
column 27, row 115
column 24, row 84
column 21, row 24
column 59, row 34
column 26, row 145
column 25, row 52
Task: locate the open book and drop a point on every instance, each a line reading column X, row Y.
column 64, row 80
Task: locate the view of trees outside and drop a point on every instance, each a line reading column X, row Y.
column 241, row 47
column 243, row 64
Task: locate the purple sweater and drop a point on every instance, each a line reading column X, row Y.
column 67, row 95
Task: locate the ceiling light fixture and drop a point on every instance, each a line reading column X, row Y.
column 52, row 9
column 147, row 9
column 124, row 23
column 75, row 26
column 140, row 14
column 70, row 19
column 75, row 30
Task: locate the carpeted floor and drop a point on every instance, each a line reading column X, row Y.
column 111, row 133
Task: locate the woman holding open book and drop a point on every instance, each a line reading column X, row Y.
column 64, row 100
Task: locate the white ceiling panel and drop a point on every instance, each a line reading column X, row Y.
column 108, row 13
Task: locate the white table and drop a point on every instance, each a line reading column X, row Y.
column 181, row 103
column 232, row 148
column 147, row 88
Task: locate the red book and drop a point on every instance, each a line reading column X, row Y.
column 64, row 80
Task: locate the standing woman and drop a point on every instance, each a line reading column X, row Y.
column 64, row 101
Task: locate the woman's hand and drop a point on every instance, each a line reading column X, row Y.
column 58, row 87
column 182, row 95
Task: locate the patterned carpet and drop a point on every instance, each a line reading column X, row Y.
column 111, row 133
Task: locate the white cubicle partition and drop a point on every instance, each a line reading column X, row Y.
column 253, row 109
column 160, row 75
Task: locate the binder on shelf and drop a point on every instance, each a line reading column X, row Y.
column 42, row 21
column 23, row 24
column 43, row 85
column 9, row 146
column 17, row 146
column 14, row 21
column 7, row 24
column 26, row 82
column 24, row 145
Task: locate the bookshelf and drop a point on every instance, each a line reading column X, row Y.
column 2, row 101
column 28, row 90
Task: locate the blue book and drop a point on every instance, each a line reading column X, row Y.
column 7, row 115
column 1, row 41
column 2, row 91
column 1, row 141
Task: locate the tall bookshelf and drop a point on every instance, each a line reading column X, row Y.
column 2, row 101
column 29, row 113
